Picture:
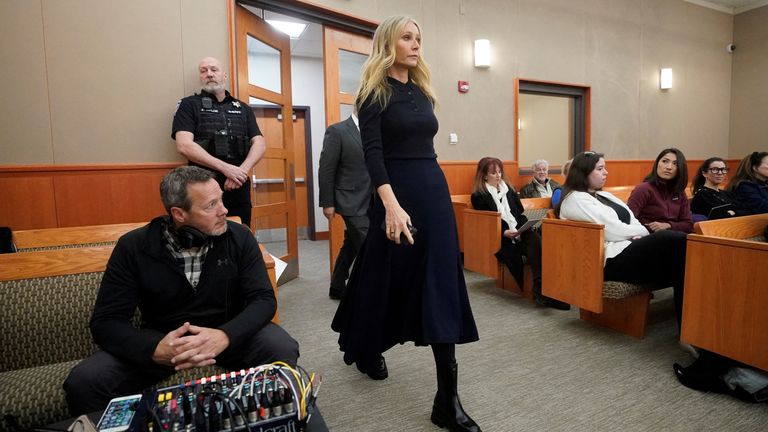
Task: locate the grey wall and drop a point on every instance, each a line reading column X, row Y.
column 749, row 101
column 98, row 80
column 616, row 47
column 92, row 81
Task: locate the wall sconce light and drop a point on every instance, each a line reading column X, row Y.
column 665, row 78
column 482, row 53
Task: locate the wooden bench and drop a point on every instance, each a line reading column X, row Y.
column 572, row 271
column 105, row 235
column 482, row 239
column 726, row 289
column 47, row 299
column 56, row 238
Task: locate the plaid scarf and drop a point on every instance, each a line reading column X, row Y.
column 189, row 260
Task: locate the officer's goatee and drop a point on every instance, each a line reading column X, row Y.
column 213, row 87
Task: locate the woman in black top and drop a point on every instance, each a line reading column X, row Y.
column 707, row 193
column 408, row 282
column 749, row 185
column 491, row 192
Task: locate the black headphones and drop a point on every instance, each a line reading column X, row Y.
column 189, row 237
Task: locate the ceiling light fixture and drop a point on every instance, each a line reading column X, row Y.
column 292, row 29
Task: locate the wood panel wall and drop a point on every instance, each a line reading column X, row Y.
column 50, row 196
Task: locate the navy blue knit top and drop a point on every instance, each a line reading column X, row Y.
column 403, row 130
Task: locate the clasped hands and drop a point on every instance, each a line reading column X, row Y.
column 511, row 233
column 658, row 226
column 190, row 346
column 236, row 177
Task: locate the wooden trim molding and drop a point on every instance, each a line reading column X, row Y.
column 51, row 196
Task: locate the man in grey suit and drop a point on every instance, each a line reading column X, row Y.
column 345, row 188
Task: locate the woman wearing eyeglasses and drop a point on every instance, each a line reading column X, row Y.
column 660, row 202
column 707, row 194
column 631, row 253
column 750, row 184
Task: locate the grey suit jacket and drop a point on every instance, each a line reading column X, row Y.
column 342, row 175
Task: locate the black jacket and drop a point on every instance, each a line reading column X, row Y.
column 510, row 253
column 484, row 201
column 234, row 293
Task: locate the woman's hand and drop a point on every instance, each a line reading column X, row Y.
column 659, row 226
column 511, row 233
column 396, row 220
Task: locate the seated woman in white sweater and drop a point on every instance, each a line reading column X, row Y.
column 631, row 253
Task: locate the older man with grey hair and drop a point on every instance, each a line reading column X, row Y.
column 212, row 129
column 541, row 186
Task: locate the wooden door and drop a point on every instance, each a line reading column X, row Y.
column 264, row 78
column 343, row 54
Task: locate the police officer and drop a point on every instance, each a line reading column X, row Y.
column 214, row 130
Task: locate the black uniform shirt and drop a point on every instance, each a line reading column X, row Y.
column 187, row 117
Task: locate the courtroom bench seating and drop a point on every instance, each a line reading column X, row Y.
column 726, row 289
column 47, row 298
column 572, row 271
column 105, row 235
column 48, row 291
column 481, row 232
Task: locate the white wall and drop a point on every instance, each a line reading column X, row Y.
column 308, row 89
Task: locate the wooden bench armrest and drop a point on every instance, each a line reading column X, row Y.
column 458, row 213
column 572, row 262
column 726, row 299
column 55, row 262
column 53, row 237
column 89, row 234
column 534, row 203
column 737, row 227
column 269, row 263
column 482, row 239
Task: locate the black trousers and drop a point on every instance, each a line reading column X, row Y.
column 657, row 258
column 354, row 235
column 237, row 201
column 510, row 254
column 99, row 378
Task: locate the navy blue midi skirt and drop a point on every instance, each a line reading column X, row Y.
column 399, row 293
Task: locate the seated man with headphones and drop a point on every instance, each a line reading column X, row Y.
column 201, row 286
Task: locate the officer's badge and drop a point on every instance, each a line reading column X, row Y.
column 236, row 104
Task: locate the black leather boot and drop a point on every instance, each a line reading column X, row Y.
column 447, row 411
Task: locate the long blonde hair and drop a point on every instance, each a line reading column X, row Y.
column 373, row 82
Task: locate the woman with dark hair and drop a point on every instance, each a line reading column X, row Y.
column 491, row 192
column 707, row 194
column 631, row 254
column 660, row 202
column 750, row 184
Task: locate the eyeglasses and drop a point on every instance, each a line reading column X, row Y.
column 723, row 170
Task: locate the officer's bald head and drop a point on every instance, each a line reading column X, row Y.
column 212, row 75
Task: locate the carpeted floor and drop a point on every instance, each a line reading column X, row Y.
column 532, row 370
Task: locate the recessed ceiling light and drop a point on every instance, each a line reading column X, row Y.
column 292, row 29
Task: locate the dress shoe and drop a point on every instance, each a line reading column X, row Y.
column 690, row 378
column 552, row 303
column 376, row 370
